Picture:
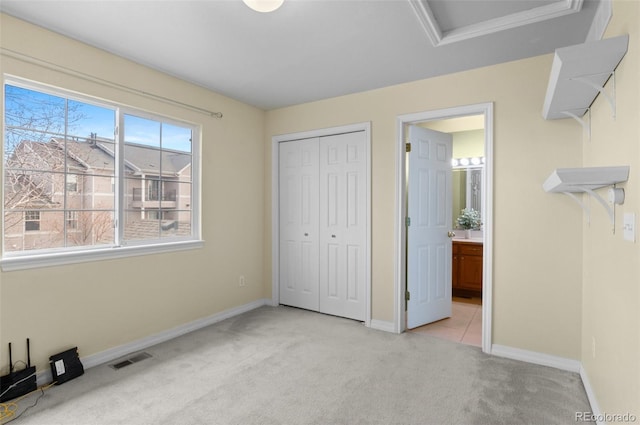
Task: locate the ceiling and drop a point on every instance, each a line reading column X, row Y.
column 313, row 49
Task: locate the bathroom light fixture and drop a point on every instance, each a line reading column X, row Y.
column 474, row 161
column 263, row 5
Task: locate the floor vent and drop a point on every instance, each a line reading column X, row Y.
column 131, row 360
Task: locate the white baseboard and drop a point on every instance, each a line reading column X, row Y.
column 595, row 407
column 552, row 361
column 114, row 353
column 383, row 325
column 536, row 358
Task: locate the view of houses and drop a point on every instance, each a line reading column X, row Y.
column 62, row 192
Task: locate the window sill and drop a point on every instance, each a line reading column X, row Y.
column 25, row 262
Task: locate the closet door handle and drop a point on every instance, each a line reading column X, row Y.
column 306, row 234
column 333, row 236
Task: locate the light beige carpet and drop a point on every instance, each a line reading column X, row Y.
column 288, row 366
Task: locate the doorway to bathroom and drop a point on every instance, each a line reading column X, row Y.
column 444, row 235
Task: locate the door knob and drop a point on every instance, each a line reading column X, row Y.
column 306, row 234
column 333, row 236
column 451, row 234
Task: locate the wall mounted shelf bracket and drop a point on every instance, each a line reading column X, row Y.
column 608, row 208
column 587, row 180
column 585, row 123
column 611, row 98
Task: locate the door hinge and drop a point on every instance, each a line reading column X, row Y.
column 408, row 147
column 407, row 295
column 407, row 221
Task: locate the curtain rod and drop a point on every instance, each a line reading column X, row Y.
column 91, row 78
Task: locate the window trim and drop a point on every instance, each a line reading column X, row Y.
column 21, row 260
column 60, row 258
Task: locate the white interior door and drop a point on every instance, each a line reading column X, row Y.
column 299, row 207
column 429, row 212
column 343, row 167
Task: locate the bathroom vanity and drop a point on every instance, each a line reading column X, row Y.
column 467, row 267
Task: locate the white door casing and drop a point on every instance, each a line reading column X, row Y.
column 429, row 212
column 299, row 204
column 486, row 110
column 343, row 224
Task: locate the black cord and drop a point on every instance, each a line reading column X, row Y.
column 33, row 405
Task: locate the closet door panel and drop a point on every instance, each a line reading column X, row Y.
column 299, row 208
column 343, row 225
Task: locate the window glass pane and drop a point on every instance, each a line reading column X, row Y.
column 159, row 179
column 57, row 153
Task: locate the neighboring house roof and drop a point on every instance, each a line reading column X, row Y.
column 148, row 229
column 149, row 159
column 98, row 154
column 89, row 154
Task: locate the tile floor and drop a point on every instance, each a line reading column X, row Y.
column 464, row 325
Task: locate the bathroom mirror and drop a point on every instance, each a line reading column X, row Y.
column 467, row 190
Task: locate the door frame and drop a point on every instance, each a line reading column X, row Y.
column 275, row 212
column 400, row 283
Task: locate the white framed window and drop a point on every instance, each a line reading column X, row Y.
column 31, row 221
column 84, row 173
column 72, row 183
column 72, row 220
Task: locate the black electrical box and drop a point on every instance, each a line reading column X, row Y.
column 65, row 366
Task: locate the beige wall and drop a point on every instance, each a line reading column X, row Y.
column 537, row 259
column 101, row 305
column 611, row 289
column 468, row 143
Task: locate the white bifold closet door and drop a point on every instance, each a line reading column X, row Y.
column 322, row 190
column 299, row 208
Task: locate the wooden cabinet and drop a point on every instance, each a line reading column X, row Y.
column 467, row 268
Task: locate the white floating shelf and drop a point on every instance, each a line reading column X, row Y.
column 577, row 179
column 578, row 75
column 587, row 180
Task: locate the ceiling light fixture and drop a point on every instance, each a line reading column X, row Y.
column 263, row 6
